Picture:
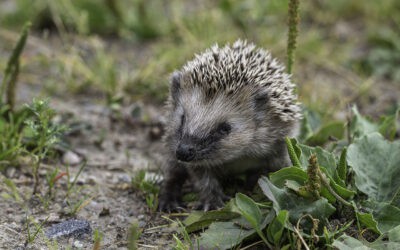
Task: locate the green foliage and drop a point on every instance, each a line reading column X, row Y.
column 9, row 82
column 251, row 212
column 146, row 183
column 384, row 54
column 360, row 125
column 375, row 163
column 358, row 184
column 42, row 134
column 11, row 145
column 133, row 235
column 276, row 227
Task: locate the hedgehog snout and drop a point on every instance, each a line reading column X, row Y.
column 185, row 152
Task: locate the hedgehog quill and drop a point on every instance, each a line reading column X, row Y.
column 230, row 109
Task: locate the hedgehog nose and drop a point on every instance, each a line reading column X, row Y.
column 185, row 152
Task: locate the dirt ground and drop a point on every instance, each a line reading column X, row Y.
column 115, row 146
column 114, row 150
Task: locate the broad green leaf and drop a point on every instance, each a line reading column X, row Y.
column 387, row 216
column 249, row 209
column 311, row 122
column 275, row 228
column 394, row 234
column 282, row 177
column 346, row 242
column 297, row 206
column 305, row 129
column 279, row 177
column 198, row 220
column 388, row 125
column 368, row 220
column 251, row 212
column 333, row 129
column 224, row 235
column 375, row 163
column 342, row 191
column 360, row 125
column 325, row 158
column 298, row 189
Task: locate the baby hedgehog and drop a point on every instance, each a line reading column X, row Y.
column 230, row 109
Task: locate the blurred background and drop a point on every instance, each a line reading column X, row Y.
column 122, row 51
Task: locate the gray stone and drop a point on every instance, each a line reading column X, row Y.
column 74, row 228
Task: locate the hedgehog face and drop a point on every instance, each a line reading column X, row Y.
column 227, row 103
column 209, row 131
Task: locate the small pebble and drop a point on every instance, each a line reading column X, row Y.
column 78, row 244
column 71, row 158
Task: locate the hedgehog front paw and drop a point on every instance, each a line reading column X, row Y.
column 168, row 204
column 212, row 202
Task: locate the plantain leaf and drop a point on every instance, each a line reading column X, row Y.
column 375, row 162
column 297, row 206
column 275, row 228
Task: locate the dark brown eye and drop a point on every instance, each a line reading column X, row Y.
column 180, row 129
column 224, row 128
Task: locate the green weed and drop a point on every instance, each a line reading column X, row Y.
column 97, row 238
column 42, row 135
column 133, row 235
column 33, row 233
column 148, row 187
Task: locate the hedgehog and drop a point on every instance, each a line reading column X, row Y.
column 229, row 110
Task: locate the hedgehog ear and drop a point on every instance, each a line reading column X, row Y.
column 175, row 85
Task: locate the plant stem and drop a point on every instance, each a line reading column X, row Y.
column 293, row 13
column 8, row 84
column 325, row 182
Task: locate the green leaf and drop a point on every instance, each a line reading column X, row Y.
column 333, row 129
column 251, row 212
column 375, row 163
column 368, row 220
column 224, row 235
column 199, row 220
column 388, row 125
column 325, row 158
column 387, row 216
column 279, row 177
column 346, row 242
column 297, row 206
column 394, row 234
column 275, row 228
column 342, row 191
column 249, row 209
column 227, row 235
column 360, row 125
column 342, row 167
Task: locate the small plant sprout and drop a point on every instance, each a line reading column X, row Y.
column 43, row 134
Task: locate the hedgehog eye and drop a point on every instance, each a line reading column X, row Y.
column 182, row 122
column 183, row 119
column 224, row 128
